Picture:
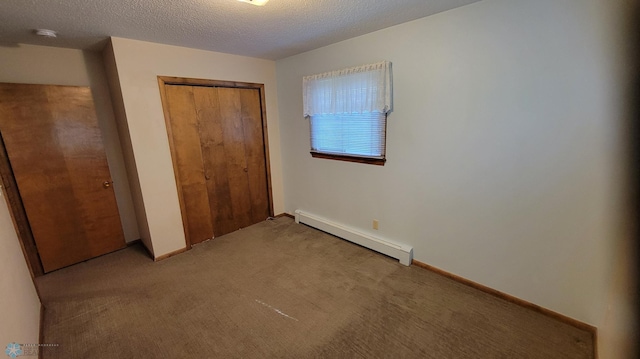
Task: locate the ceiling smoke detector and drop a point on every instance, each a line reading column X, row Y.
column 255, row 2
column 46, row 33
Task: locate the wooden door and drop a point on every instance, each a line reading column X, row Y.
column 219, row 150
column 57, row 156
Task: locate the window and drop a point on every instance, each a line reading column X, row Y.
column 348, row 110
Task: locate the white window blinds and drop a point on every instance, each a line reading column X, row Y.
column 360, row 134
column 348, row 110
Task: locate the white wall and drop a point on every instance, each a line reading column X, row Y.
column 56, row 66
column 19, row 301
column 504, row 150
column 127, row 147
column 138, row 65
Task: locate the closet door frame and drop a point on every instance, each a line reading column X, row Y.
column 169, row 80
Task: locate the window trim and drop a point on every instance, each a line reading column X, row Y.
column 356, row 90
column 349, row 158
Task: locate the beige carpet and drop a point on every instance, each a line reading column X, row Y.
column 282, row 290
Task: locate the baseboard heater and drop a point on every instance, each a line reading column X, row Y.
column 401, row 252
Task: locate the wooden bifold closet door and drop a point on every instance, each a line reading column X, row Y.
column 57, row 157
column 218, row 143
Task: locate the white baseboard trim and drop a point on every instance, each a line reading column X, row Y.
column 402, row 252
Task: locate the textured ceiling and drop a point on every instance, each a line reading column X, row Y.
column 279, row 29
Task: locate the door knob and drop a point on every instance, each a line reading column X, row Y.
column 246, row 169
column 106, row 184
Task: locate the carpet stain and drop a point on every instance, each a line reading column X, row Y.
column 277, row 310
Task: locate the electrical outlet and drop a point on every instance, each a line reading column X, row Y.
column 375, row 224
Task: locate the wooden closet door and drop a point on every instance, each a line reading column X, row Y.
column 255, row 154
column 187, row 157
column 56, row 152
column 218, row 143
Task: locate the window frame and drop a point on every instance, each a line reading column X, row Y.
column 349, row 158
column 378, row 161
column 367, row 91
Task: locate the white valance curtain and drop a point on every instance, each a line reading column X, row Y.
column 360, row 89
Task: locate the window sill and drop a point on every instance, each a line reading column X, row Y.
column 347, row 158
